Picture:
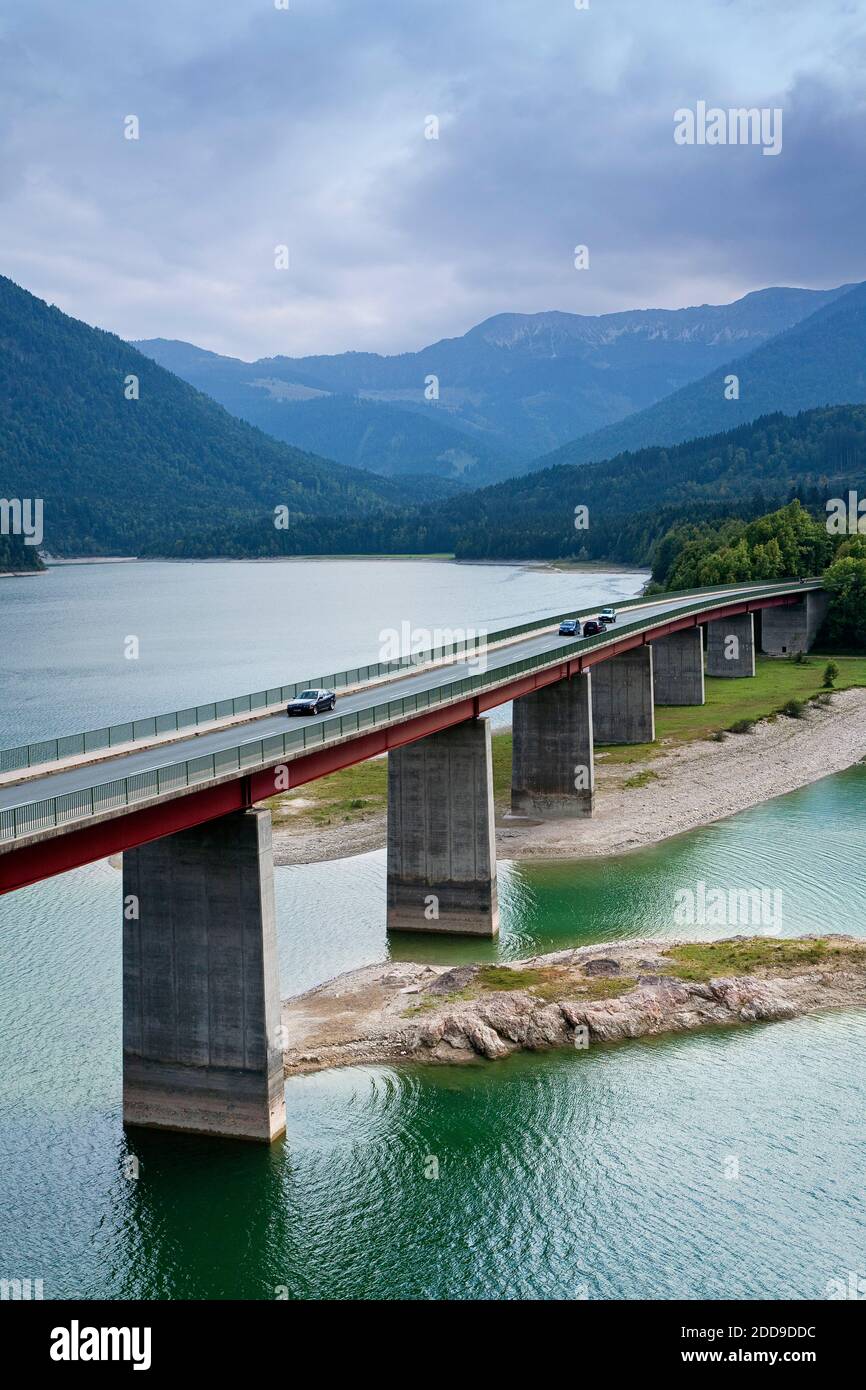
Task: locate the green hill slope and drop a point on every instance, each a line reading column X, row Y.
column 821, row 361
column 632, row 500
column 118, row 475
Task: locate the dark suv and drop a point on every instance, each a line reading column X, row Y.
column 592, row 627
column 312, row 702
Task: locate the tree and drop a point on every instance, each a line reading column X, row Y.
column 845, row 582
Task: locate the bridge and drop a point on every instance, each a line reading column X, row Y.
column 179, row 796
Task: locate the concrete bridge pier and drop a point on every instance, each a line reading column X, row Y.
column 791, row 628
column 552, row 767
column 678, row 668
column 201, row 999
column 731, row 646
column 441, row 834
column 622, row 698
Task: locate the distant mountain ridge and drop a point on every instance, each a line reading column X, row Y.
column 511, row 388
column 819, row 361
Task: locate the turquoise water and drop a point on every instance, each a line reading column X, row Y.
column 577, row 1175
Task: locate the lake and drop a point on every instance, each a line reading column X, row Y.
column 605, row 1174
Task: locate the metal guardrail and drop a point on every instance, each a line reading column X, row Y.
column 27, row 755
column 52, row 812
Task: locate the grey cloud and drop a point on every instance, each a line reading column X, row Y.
column 306, row 127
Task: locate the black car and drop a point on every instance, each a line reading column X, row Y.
column 592, row 627
column 312, row 702
column 569, row 627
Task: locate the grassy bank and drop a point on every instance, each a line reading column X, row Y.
column 729, row 702
column 359, row 793
column 698, row 963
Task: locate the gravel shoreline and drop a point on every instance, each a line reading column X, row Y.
column 693, row 784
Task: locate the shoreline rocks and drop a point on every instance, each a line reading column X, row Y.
column 594, row 994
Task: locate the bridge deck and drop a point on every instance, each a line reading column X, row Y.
column 430, row 698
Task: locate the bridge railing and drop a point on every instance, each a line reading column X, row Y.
column 132, row 731
column 49, row 813
column 144, row 730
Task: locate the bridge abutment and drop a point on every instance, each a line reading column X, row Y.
column 678, row 668
column 552, row 768
column 441, row 834
column 791, row 628
column 731, row 646
column 201, row 997
column 622, row 698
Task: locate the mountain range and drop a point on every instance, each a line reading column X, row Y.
column 513, row 387
column 165, row 469
column 820, row 361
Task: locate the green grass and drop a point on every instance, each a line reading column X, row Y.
column 794, row 709
column 641, row 779
column 697, row 962
column 728, row 702
column 549, row 982
column 702, row 962
column 353, row 794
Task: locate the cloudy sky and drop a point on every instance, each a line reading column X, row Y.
column 262, row 126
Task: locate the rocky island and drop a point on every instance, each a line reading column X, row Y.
column 402, row 1011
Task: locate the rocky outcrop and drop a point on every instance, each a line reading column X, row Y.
column 567, row 999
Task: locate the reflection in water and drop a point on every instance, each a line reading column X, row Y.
column 547, row 907
column 597, row 1174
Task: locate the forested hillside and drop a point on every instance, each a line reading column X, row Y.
column 632, row 501
column 15, row 555
column 116, row 473
column 786, row 544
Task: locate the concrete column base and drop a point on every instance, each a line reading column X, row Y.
column 678, row 668
column 792, row 628
column 622, row 698
column 552, row 768
column 731, row 646
column 201, row 999
column 441, row 834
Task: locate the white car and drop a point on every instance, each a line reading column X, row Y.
column 608, row 615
